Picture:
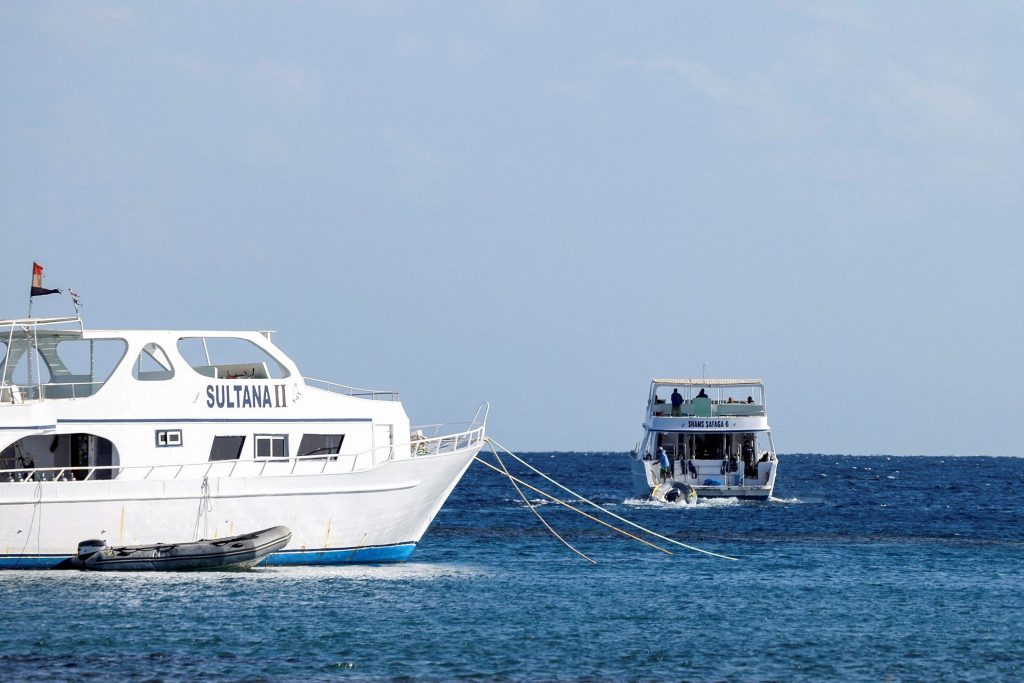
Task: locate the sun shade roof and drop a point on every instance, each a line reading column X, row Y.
column 683, row 382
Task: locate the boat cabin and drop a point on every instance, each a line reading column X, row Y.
column 73, row 402
column 715, row 431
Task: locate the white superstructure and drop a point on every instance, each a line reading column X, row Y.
column 715, row 434
column 141, row 436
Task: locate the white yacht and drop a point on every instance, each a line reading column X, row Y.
column 715, row 433
column 143, row 436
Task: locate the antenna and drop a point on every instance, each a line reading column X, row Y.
column 703, row 371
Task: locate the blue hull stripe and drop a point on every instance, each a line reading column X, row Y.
column 367, row 554
column 30, row 561
column 386, row 553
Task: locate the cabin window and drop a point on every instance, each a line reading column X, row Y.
column 230, row 358
column 271, row 445
column 25, row 366
column 320, row 444
column 226, row 448
column 168, row 437
column 91, row 358
column 63, row 457
column 152, row 365
column 62, row 364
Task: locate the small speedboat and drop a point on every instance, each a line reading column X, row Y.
column 674, row 492
column 235, row 552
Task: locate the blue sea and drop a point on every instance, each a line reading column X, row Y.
column 862, row 568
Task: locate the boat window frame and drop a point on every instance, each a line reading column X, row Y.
column 235, row 370
column 167, row 441
column 272, row 438
column 139, row 376
column 38, row 389
column 317, row 453
column 238, row 454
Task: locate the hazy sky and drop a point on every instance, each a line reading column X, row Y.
column 545, row 204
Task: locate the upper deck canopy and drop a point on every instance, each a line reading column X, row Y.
column 37, row 322
column 710, row 382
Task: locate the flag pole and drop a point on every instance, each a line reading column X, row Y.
column 78, row 312
column 34, row 262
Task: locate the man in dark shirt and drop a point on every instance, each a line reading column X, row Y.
column 677, row 403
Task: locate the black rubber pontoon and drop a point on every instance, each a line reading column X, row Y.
column 236, row 552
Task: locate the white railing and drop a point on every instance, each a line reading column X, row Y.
column 335, row 388
column 256, row 467
column 17, row 393
column 424, row 436
column 717, row 409
column 430, row 431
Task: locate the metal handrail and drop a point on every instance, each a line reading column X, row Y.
column 440, row 445
column 358, row 392
column 478, row 419
column 32, row 392
column 687, row 411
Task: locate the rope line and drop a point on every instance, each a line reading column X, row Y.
column 202, row 515
column 574, row 509
column 607, row 511
column 533, row 509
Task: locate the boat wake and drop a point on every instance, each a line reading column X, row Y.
column 404, row 571
column 788, row 501
column 651, row 503
column 719, row 502
column 702, row 503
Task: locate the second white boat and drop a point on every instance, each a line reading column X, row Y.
column 706, row 436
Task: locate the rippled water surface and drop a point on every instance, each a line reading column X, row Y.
column 862, row 568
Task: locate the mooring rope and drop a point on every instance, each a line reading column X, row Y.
column 605, row 510
column 574, row 509
column 533, row 509
column 204, row 509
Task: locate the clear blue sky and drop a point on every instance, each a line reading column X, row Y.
column 544, row 205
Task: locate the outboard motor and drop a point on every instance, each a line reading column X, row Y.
column 93, row 545
column 86, row 550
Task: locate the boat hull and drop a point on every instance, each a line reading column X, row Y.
column 645, row 475
column 373, row 515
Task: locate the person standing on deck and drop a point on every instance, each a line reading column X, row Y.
column 677, row 403
column 666, row 464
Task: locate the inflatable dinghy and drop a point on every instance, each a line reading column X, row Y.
column 674, row 492
column 236, row 552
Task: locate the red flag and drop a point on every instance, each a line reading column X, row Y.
column 37, row 282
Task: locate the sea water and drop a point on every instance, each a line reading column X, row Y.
column 861, row 568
